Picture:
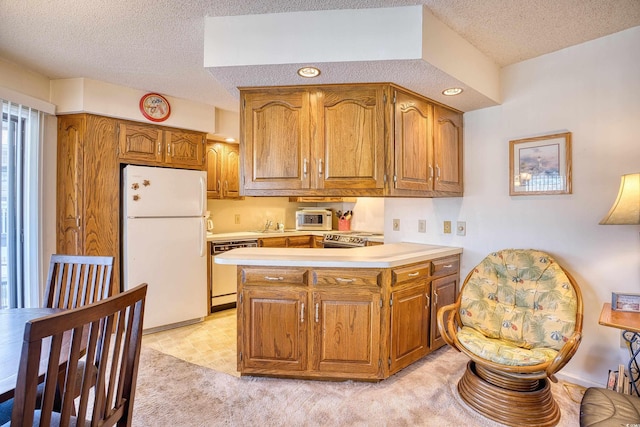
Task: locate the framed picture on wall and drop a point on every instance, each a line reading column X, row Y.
column 540, row 165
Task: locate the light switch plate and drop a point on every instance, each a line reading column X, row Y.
column 396, row 225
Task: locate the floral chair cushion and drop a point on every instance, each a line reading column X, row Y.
column 522, row 304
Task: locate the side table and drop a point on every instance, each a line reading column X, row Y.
column 629, row 322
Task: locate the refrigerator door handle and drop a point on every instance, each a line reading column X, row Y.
column 203, row 238
column 203, row 195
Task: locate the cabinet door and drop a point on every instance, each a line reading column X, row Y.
column 140, row 143
column 184, row 148
column 276, row 136
column 214, row 155
column 349, row 145
column 413, row 136
column 444, row 291
column 70, row 186
column 231, row 172
column 409, row 324
column 274, row 329
column 346, row 332
column 448, row 150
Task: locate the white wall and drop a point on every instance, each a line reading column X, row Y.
column 593, row 91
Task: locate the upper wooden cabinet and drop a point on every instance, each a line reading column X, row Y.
column 140, row 143
column 91, row 151
column 348, row 140
column 447, row 146
column 223, row 170
column 313, row 140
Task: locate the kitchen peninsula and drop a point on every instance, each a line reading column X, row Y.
column 361, row 313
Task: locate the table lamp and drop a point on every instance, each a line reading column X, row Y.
column 626, row 208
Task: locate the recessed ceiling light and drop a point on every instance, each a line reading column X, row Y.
column 452, row 91
column 308, row 72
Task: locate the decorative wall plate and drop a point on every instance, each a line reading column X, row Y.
column 155, row 107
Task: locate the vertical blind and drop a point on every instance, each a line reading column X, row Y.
column 20, row 166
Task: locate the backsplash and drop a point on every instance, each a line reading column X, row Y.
column 253, row 212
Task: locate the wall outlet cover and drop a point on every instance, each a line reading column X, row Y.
column 447, row 227
column 422, row 226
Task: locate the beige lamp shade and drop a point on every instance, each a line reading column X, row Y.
column 626, row 208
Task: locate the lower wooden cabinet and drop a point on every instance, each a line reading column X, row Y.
column 274, row 333
column 286, row 242
column 332, row 323
column 410, row 315
column 345, row 333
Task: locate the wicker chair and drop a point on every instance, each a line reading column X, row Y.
column 518, row 317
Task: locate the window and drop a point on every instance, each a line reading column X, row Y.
column 20, row 148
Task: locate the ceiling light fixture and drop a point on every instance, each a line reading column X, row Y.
column 452, row 91
column 308, row 72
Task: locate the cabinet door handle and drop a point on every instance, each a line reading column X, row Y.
column 447, row 266
column 341, row 279
column 219, row 186
column 159, row 148
column 168, row 149
column 226, row 188
column 305, row 166
column 437, row 173
column 319, row 166
column 428, row 301
column 317, row 312
column 302, row 313
column 435, row 298
column 274, row 279
column 417, row 273
column 430, row 172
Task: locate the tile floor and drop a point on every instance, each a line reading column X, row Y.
column 211, row 343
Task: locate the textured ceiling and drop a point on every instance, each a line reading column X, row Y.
column 157, row 45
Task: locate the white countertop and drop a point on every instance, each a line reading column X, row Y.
column 380, row 256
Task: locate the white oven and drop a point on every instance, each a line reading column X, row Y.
column 313, row 219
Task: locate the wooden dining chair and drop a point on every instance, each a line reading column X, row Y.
column 110, row 331
column 76, row 280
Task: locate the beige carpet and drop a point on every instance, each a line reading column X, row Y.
column 172, row 392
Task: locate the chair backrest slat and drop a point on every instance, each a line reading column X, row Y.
column 109, row 332
column 77, row 280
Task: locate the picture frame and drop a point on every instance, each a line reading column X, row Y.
column 625, row 302
column 540, row 165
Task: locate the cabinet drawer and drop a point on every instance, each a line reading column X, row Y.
column 273, row 276
column 445, row 266
column 412, row 272
column 299, row 241
column 346, row 277
column 273, row 242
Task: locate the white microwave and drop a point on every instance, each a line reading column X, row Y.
column 313, row 219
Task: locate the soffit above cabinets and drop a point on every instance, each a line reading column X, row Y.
column 405, row 45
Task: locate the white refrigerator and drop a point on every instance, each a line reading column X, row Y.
column 164, row 243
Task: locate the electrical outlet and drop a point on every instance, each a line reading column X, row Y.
column 422, row 226
column 447, row 227
column 396, row 225
column 461, row 228
column 237, row 218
